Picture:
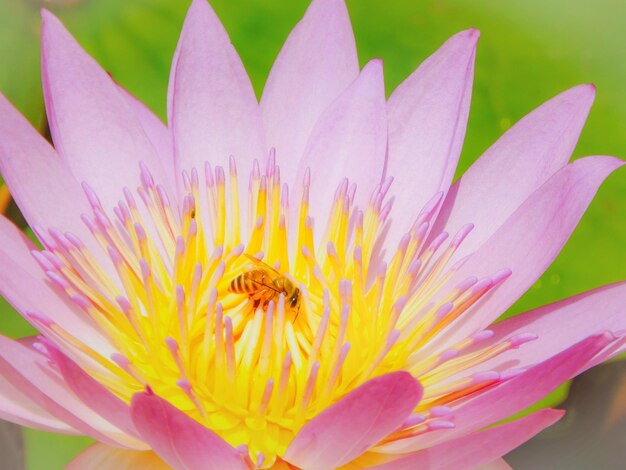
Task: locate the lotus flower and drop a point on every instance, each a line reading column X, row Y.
column 273, row 285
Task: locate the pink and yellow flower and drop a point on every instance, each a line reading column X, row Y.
column 386, row 358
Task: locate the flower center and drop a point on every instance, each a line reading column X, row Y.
column 215, row 314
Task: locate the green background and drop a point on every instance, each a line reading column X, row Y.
column 529, row 51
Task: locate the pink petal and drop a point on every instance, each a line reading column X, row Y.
column 92, row 393
column 427, row 120
column 41, row 183
column 498, row 464
column 29, row 371
column 179, row 440
column 25, row 286
column 510, row 397
column 515, row 166
column 213, row 112
column 349, row 140
column 351, row 426
column 317, row 62
column 93, row 127
column 38, row 179
column 19, row 409
column 156, row 131
column 593, row 311
column 479, row 448
column 530, row 239
column 528, row 388
column 103, row 457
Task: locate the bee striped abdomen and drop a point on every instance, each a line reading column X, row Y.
column 249, row 282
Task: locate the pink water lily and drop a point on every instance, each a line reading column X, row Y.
column 366, row 339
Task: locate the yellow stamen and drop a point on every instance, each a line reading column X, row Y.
column 255, row 371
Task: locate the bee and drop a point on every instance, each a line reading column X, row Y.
column 263, row 284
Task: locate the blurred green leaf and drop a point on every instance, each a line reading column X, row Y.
column 529, row 51
column 49, row 451
column 19, row 59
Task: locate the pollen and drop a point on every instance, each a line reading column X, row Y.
column 171, row 288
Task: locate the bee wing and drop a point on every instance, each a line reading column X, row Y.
column 265, row 285
column 263, row 265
